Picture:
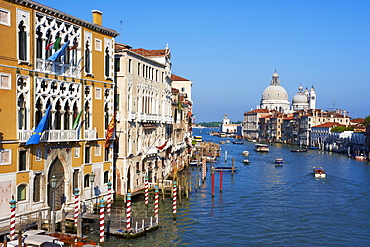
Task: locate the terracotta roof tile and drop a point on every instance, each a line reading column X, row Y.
column 151, row 53
column 328, row 125
column 177, row 78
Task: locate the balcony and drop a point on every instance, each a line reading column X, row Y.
column 58, row 135
column 56, row 68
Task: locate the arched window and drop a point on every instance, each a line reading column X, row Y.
column 106, row 116
column 22, row 119
column 58, row 120
column 87, row 115
column 106, row 177
column 21, row 192
column 86, row 181
column 87, row 58
column 107, row 65
column 22, row 42
column 38, row 43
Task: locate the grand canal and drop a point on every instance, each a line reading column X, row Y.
column 264, row 205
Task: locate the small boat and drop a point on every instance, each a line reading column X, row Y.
column 194, row 163
column 319, row 172
column 261, row 148
column 246, row 162
column 225, row 168
column 239, row 143
column 279, row 162
column 361, row 157
column 72, row 240
column 245, row 153
column 227, row 141
column 222, row 142
column 299, row 150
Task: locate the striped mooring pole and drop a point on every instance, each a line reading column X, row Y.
column 128, row 212
column 109, row 199
column 213, row 181
column 146, row 190
column 174, row 204
column 204, row 168
column 156, row 204
column 77, row 206
column 12, row 218
column 221, row 180
column 102, row 221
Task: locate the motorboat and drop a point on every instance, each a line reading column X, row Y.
column 319, row 172
column 261, row 148
column 279, row 162
column 72, row 240
column 246, row 162
column 237, row 142
column 194, row 163
column 245, row 153
column 299, row 150
column 225, row 168
column 361, row 157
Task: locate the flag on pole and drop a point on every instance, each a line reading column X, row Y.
column 49, row 46
column 77, row 120
column 74, row 47
column 163, row 146
column 56, row 43
column 41, row 127
column 110, row 130
column 59, row 52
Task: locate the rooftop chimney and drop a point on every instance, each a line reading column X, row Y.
column 97, row 17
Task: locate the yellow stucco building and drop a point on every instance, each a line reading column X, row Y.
column 49, row 58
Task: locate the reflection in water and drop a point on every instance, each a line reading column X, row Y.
column 264, row 205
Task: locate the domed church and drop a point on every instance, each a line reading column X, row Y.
column 275, row 96
column 304, row 99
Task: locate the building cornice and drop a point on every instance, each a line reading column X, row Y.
column 64, row 16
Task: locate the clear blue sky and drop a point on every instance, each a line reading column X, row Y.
column 230, row 49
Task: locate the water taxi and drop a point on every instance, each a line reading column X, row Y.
column 361, row 157
column 245, row 153
column 225, row 168
column 246, row 162
column 298, row 150
column 72, row 240
column 319, row 172
column 279, row 162
column 261, row 148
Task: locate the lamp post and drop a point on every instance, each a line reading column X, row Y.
column 53, row 183
column 92, row 179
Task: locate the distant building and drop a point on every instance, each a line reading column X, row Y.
column 304, row 99
column 183, row 85
column 228, row 128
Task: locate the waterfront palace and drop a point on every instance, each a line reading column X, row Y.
column 81, row 109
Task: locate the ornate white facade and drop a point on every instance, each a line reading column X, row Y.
column 275, row 97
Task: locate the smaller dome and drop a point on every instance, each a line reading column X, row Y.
column 300, row 98
column 275, row 75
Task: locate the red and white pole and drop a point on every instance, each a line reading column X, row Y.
column 77, row 205
column 128, row 212
column 221, row 180
column 204, row 168
column 146, row 190
column 156, row 204
column 12, row 218
column 102, row 221
column 213, row 181
column 109, row 199
column 174, row 205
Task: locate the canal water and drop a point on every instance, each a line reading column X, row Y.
column 264, row 205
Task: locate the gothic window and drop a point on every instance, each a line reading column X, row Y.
column 38, row 43
column 22, row 160
column 21, row 192
column 37, row 188
column 58, row 116
column 67, row 55
column 107, row 65
column 87, row 58
column 106, row 116
column 87, row 116
column 66, row 117
column 117, row 66
column 22, row 42
column 22, row 119
column 74, row 52
column 48, row 52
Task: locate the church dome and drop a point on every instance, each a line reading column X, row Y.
column 274, row 92
column 300, row 98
